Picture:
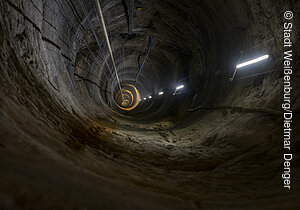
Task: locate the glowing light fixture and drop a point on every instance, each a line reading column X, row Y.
column 145, row 98
column 160, row 93
column 149, row 96
column 252, row 61
column 179, row 87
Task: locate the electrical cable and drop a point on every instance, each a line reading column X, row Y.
column 149, row 48
column 241, row 109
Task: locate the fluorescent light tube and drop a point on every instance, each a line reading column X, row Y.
column 252, row 61
column 179, row 87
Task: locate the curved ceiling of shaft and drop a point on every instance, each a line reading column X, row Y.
column 129, row 70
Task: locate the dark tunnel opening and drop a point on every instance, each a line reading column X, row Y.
column 161, row 125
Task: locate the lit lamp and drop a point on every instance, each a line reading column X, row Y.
column 178, row 88
column 261, row 58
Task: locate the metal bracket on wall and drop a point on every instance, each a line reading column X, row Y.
column 234, row 73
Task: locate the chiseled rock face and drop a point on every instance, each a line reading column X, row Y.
column 64, row 144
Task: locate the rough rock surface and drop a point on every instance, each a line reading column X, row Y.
column 64, row 145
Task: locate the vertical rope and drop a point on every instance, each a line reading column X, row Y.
column 98, row 9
